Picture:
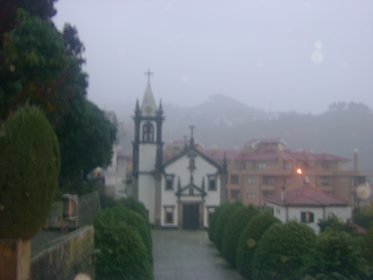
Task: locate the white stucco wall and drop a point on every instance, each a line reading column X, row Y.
column 286, row 214
column 147, row 157
column 146, row 194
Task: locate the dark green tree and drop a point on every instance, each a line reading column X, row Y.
column 333, row 223
column 235, row 226
column 30, row 165
column 221, row 222
column 283, row 251
column 136, row 206
column 249, row 240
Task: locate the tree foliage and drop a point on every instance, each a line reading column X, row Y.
column 136, row 206
column 337, row 256
column 333, row 223
column 283, row 251
column 249, row 240
column 30, row 165
column 235, row 226
column 43, row 66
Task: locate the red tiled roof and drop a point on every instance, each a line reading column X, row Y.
column 305, row 196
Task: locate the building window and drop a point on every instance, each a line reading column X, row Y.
column 251, row 196
column 262, row 166
column 307, row 217
column 242, row 165
column 235, row 179
column 251, row 180
column 325, row 181
column 268, row 180
column 278, row 211
column 212, row 182
column 148, row 132
column 169, row 214
column 169, row 182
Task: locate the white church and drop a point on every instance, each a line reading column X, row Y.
column 181, row 192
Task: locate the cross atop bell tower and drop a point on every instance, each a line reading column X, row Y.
column 149, row 74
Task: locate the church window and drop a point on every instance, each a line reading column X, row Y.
column 169, row 182
column 169, row 214
column 148, row 132
column 212, row 182
column 192, row 164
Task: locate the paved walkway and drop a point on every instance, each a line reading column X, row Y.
column 188, row 255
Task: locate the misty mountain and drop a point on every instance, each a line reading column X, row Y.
column 224, row 122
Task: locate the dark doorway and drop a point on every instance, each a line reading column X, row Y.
column 191, row 216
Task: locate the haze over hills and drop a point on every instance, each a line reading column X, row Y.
column 226, row 123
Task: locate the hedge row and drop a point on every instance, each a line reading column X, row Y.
column 122, row 234
column 262, row 248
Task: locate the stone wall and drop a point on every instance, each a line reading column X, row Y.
column 70, row 255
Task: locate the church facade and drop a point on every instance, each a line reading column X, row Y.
column 181, row 192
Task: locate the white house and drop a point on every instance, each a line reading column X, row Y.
column 181, row 192
column 307, row 205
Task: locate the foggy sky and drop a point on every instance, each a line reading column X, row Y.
column 276, row 55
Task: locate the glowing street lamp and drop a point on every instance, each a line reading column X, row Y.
column 299, row 171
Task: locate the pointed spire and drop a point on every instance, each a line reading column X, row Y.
column 160, row 108
column 178, row 184
column 137, row 108
column 203, row 183
column 148, row 105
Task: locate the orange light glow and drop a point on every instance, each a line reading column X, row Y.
column 299, row 171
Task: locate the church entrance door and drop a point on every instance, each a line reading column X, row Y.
column 191, row 216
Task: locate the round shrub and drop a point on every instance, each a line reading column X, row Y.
column 212, row 224
column 136, row 206
column 137, row 221
column 337, row 256
column 282, row 251
column 248, row 242
column 221, row 222
column 235, row 226
column 123, row 254
column 30, row 165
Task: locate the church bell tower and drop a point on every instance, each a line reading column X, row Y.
column 148, row 150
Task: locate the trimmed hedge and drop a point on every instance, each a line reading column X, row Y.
column 222, row 220
column 136, row 206
column 30, row 166
column 123, row 254
column 137, row 221
column 282, row 251
column 212, row 224
column 248, row 242
column 235, row 226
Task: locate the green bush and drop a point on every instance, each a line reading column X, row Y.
column 136, row 206
column 221, row 222
column 123, row 254
column 282, row 251
column 337, row 256
column 248, row 242
column 235, row 226
column 134, row 219
column 212, row 224
column 30, row 165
